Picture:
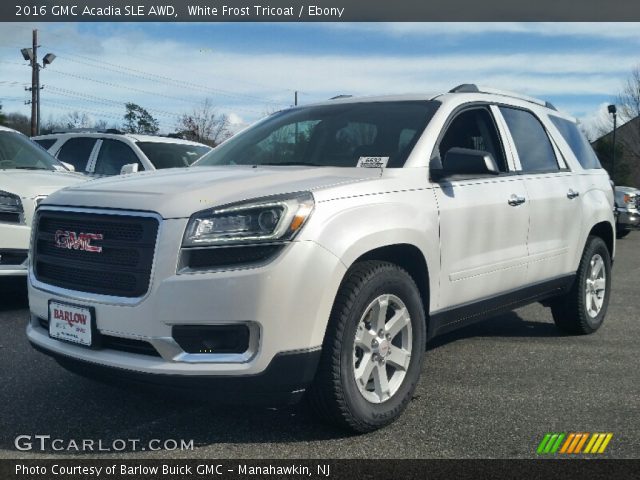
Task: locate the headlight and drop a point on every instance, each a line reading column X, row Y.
column 10, row 203
column 267, row 219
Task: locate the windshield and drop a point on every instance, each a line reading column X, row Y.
column 172, row 155
column 18, row 152
column 340, row 135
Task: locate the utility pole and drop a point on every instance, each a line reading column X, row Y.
column 613, row 111
column 31, row 55
column 35, row 87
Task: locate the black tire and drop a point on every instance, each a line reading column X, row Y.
column 570, row 312
column 622, row 233
column 334, row 395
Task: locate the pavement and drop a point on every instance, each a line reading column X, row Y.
column 491, row 390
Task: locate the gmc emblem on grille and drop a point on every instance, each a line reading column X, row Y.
column 82, row 241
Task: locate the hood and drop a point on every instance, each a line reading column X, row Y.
column 34, row 183
column 180, row 192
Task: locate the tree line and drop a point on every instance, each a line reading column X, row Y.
column 202, row 124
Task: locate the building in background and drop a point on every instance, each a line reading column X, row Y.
column 627, row 162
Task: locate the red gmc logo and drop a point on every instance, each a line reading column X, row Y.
column 71, row 240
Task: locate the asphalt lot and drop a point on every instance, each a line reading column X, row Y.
column 490, row 390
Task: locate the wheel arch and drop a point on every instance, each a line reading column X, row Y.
column 606, row 232
column 410, row 258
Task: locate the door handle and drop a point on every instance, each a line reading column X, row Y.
column 515, row 200
column 572, row 194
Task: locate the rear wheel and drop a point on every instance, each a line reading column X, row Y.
column 583, row 308
column 373, row 349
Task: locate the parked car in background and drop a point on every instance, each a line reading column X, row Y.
column 627, row 210
column 110, row 152
column 27, row 175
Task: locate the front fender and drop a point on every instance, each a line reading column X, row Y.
column 351, row 227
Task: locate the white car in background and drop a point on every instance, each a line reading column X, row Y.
column 27, row 175
column 110, row 152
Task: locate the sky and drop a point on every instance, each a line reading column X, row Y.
column 248, row 70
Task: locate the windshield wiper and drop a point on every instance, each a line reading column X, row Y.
column 30, row 168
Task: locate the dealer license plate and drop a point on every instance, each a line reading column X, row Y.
column 71, row 323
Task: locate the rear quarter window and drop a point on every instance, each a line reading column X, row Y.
column 577, row 142
column 46, row 143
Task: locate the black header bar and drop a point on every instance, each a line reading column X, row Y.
column 318, row 10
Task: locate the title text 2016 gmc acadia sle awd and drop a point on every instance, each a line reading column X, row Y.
column 317, row 251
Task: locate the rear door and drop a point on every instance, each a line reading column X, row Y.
column 77, row 152
column 553, row 193
column 483, row 231
column 112, row 156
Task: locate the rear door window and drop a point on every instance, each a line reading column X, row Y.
column 76, row 151
column 46, row 143
column 531, row 140
column 114, row 155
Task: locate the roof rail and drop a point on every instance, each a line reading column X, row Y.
column 473, row 88
column 90, row 130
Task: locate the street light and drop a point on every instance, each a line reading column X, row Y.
column 613, row 111
column 27, row 54
column 48, row 59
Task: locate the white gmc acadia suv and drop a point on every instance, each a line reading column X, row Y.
column 320, row 249
column 110, row 152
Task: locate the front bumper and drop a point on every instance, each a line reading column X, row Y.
column 286, row 302
column 14, row 240
column 13, row 270
column 628, row 219
column 14, row 237
column 283, row 381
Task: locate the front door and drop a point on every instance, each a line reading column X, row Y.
column 483, row 221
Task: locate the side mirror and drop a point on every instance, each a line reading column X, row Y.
column 68, row 166
column 129, row 168
column 464, row 161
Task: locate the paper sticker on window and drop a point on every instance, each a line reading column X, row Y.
column 372, row 162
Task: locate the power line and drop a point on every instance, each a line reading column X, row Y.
column 163, row 79
column 146, row 59
column 105, row 101
column 134, row 89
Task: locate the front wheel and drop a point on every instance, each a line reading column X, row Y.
column 582, row 310
column 373, row 349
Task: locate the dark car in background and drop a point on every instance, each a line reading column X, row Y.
column 627, row 200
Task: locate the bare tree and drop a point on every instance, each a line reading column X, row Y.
column 100, row 124
column 18, row 122
column 53, row 124
column 629, row 109
column 76, row 120
column 204, row 124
